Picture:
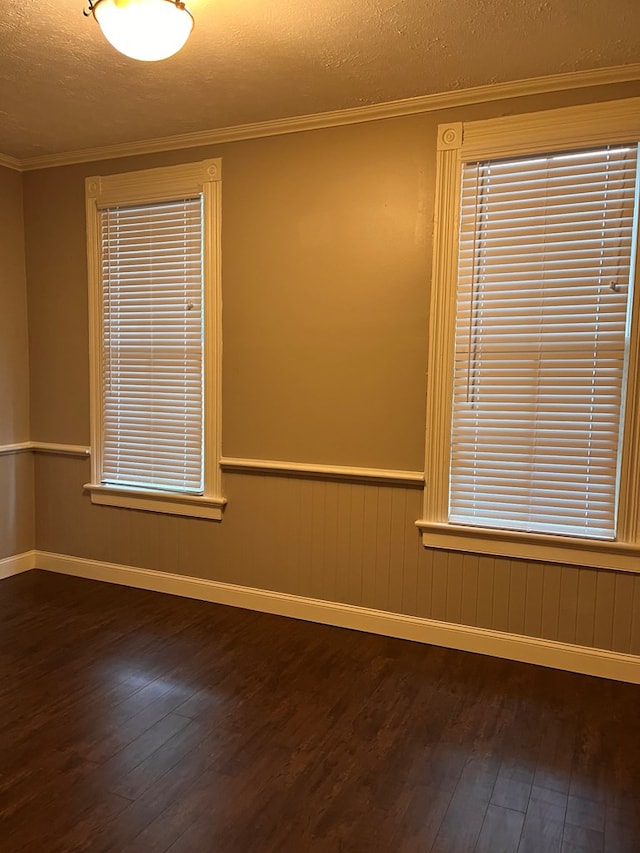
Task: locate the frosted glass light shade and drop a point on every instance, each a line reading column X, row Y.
column 144, row 29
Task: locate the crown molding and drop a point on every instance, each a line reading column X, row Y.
column 337, row 118
column 11, row 162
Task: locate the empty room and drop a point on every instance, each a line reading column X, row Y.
column 319, row 426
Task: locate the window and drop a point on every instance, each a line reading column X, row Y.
column 154, row 275
column 532, row 426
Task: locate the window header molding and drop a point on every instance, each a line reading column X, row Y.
column 151, row 185
column 530, row 133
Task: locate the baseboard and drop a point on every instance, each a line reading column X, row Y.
column 17, row 564
column 581, row 659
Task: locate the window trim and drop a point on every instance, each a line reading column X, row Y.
column 519, row 135
column 146, row 187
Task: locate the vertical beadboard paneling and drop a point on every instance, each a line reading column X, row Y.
column 343, row 541
column 292, row 493
column 134, row 536
column 369, row 545
column 500, row 609
column 275, row 526
column 355, row 556
column 453, row 611
column 622, row 613
column 255, row 555
column 533, row 611
column 397, row 556
column 484, row 603
column 586, row 607
column 635, row 621
column 426, row 568
column 317, row 583
column 304, row 536
column 568, row 611
column 382, row 573
column 349, row 542
column 550, row 601
column 168, row 541
column 470, row 581
column 410, row 596
column 603, row 624
column 330, row 539
column 439, row 586
column 517, row 596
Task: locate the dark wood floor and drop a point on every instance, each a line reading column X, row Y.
column 136, row 722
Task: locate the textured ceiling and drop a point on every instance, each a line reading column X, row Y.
column 63, row 88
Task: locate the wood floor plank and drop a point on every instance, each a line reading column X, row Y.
column 501, row 830
column 133, row 722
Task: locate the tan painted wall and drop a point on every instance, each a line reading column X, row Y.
column 14, row 346
column 17, row 525
column 16, row 471
column 326, row 261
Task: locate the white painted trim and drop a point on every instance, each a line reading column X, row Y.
column 153, row 185
column 17, row 564
column 566, row 550
column 146, row 186
column 585, row 125
column 329, row 472
column 442, row 312
column 254, row 466
column 337, row 118
column 170, row 503
column 599, row 662
column 18, row 447
column 45, row 447
column 62, row 449
column 10, row 162
column 212, row 277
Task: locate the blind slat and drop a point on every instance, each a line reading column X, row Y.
column 540, row 345
column 152, row 346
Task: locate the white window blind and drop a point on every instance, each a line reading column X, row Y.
column 152, row 382
column 544, row 289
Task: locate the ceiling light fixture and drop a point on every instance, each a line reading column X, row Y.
column 143, row 29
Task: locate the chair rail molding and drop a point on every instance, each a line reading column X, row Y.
column 319, row 471
column 45, row 447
